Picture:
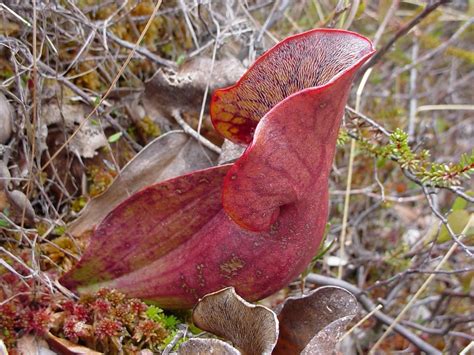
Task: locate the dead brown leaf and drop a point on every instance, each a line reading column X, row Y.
column 170, row 155
column 253, row 329
column 87, row 140
column 198, row 346
column 66, row 347
column 230, row 152
column 313, row 323
column 325, row 341
column 29, row 344
column 184, row 90
column 21, row 205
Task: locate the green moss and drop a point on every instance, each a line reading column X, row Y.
column 149, row 128
column 79, row 203
column 100, row 178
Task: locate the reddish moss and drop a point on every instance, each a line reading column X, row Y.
column 74, row 329
column 108, row 328
column 103, row 321
column 150, row 331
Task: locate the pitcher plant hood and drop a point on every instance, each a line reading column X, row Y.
column 254, row 224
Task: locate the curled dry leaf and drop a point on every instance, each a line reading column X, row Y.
column 168, row 156
column 168, row 90
column 313, row 323
column 66, row 347
column 20, row 203
column 253, row 329
column 325, row 341
column 197, row 346
column 6, row 119
column 89, row 138
column 230, row 152
column 30, row 344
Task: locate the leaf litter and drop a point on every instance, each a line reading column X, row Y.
column 53, row 209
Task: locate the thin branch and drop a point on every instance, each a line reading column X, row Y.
column 143, row 51
column 388, row 16
column 368, row 120
column 438, row 331
column 453, row 189
column 211, row 71
column 402, row 32
column 189, row 130
column 413, row 92
column 181, row 333
column 437, row 50
column 362, row 321
column 467, row 348
column 444, row 220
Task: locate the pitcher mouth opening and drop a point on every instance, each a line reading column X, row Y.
column 305, row 61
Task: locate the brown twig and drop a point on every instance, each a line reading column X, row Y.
column 403, row 31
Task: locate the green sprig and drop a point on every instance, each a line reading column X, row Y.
column 429, row 173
